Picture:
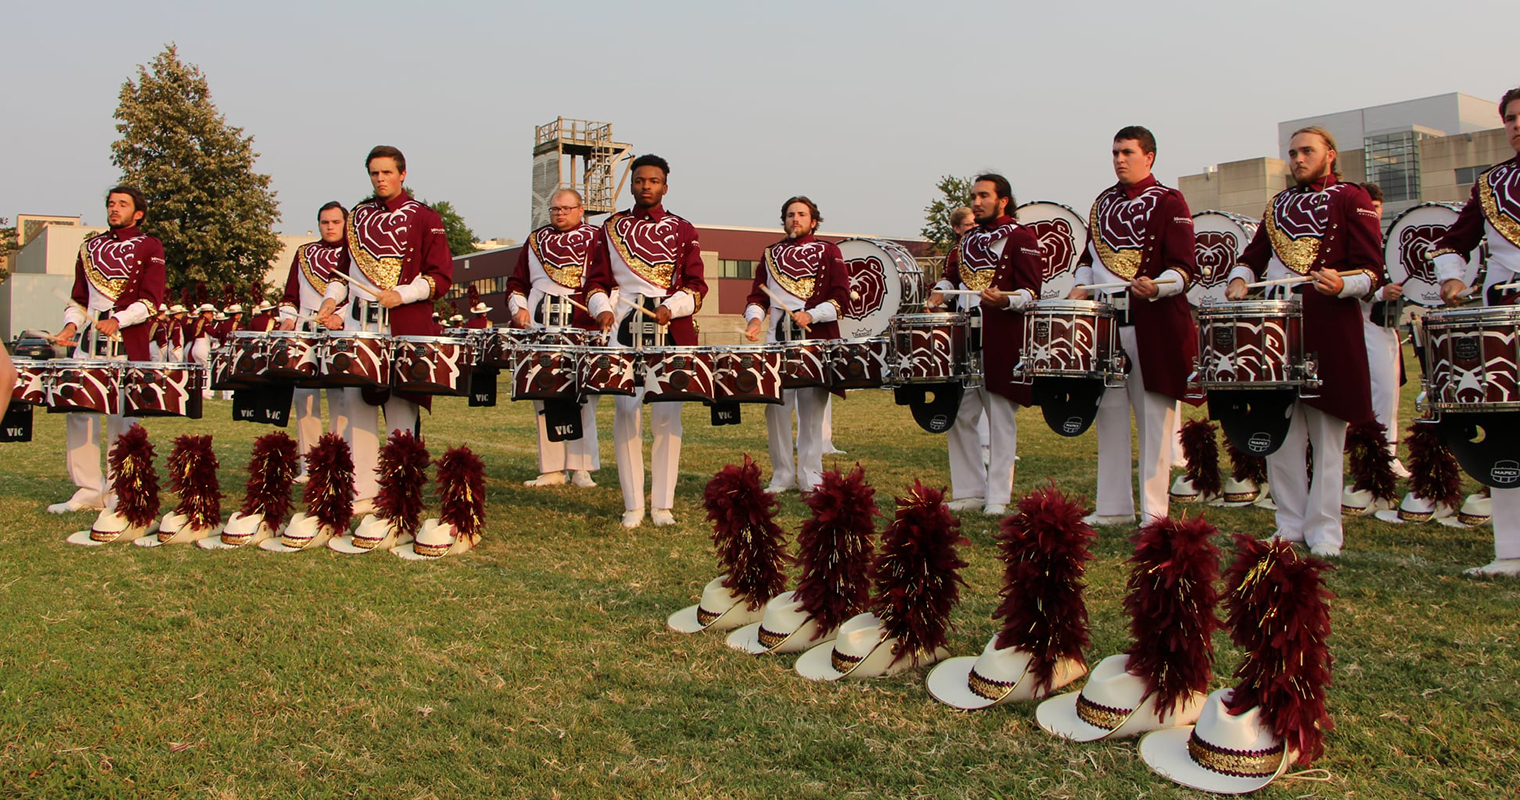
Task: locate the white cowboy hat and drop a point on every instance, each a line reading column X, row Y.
column 204, row 307
column 480, row 308
column 110, row 527
column 784, row 627
column 1239, row 494
column 177, row 309
column 434, row 540
column 262, row 307
column 162, row 308
column 373, row 533
column 1183, row 490
column 174, row 528
column 1224, row 753
column 1358, row 503
column 1112, row 705
column 304, row 532
column 862, row 650
column 239, row 531
column 719, row 610
column 1415, row 509
column 235, row 308
column 996, row 676
column 1476, row 510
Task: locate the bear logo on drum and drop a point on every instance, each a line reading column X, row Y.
column 868, row 287
column 1415, row 242
column 1215, row 252
column 1057, row 245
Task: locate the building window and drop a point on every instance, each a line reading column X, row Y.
column 1392, row 161
column 736, row 268
column 1468, row 175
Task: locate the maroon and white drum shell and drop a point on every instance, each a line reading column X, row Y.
column 432, row 365
column 861, row 363
column 1250, row 345
column 1067, row 339
column 90, row 385
column 805, row 363
column 239, row 362
column 494, row 346
column 929, row 348
column 1472, row 356
column 607, row 370
column 679, row 374
column 31, row 382
column 161, row 389
column 543, row 373
column 291, row 356
column 749, row 374
column 561, row 336
column 354, row 358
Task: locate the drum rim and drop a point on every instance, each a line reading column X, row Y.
column 1443, row 315
column 1071, row 305
column 354, row 335
column 938, row 316
column 431, row 340
column 1230, row 308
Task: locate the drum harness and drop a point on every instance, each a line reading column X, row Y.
column 648, row 333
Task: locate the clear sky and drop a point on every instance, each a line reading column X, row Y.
column 861, row 105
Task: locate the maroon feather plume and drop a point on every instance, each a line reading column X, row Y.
column 1279, row 615
column 1370, row 463
column 1201, row 450
column 917, row 573
column 834, row 548
column 1171, row 602
column 329, row 496
column 750, row 545
column 192, row 475
column 1247, row 468
column 462, row 493
column 134, row 479
column 1044, row 553
column 271, row 470
column 474, row 297
column 402, row 474
column 1433, row 471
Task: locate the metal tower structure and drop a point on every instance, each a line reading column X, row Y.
column 581, row 155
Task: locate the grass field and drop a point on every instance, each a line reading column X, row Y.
column 539, row 665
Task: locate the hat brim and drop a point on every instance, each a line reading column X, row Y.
column 1166, row 753
column 735, row 616
column 817, row 664
column 345, row 544
column 804, row 636
column 127, row 535
column 184, row 535
column 950, row 683
column 1058, row 716
column 408, row 549
column 261, row 532
column 274, row 545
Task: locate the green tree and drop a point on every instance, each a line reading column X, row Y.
column 9, row 243
column 954, row 192
column 213, row 213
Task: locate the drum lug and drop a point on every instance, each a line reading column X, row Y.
column 1309, row 374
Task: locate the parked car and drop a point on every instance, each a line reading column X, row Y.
column 36, row 344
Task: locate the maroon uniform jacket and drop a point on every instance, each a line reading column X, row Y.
column 315, row 264
column 160, row 331
column 478, row 323
column 979, row 265
column 127, row 266
column 564, row 257
column 1327, row 224
column 262, row 323
column 177, row 332
column 1495, row 201
column 810, row 269
column 658, row 247
column 1146, row 229
column 393, row 242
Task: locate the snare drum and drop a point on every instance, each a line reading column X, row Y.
column 432, row 364
column 1253, row 345
column 607, row 370
column 159, row 389
column 929, row 348
column 1070, row 339
column 1471, row 356
column 290, row 356
column 543, row 373
column 749, row 374
column 494, row 346
column 861, row 363
column 238, row 364
column 89, row 385
column 354, row 358
column 805, row 362
column 678, row 374
column 31, row 382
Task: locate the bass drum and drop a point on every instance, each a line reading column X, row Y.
column 1413, row 235
column 1221, row 239
column 1062, row 235
column 885, row 280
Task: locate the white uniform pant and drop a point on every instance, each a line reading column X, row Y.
column 810, row 403
column 827, row 427
column 1156, row 425
column 665, row 453
column 200, row 353
column 82, row 434
column 1310, row 514
column 307, row 408
column 1506, row 521
column 359, row 423
column 1383, row 364
column 577, row 454
column 154, row 354
column 969, row 478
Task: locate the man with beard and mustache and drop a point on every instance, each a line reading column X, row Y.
column 808, row 285
column 1490, row 215
column 550, row 279
column 314, row 266
column 398, row 264
column 118, row 285
column 653, row 259
column 1001, row 260
column 1140, row 233
column 1327, row 232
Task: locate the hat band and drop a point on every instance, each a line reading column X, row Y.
column 1235, row 763
column 1415, row 516
column 236, row 539
column 769, row 639
column 366, row 543
column 295, row 542
column 436, row 550
column 844, row 663
column 1241, row 497
column 105, row 537
column 1101, row 716
column 1473, row 519
column 987, row 688
column 705, row 617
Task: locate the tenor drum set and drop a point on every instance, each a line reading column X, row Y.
column 102, row 386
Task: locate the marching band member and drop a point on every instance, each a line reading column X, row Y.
column 1141, row 233
column 653, row 259
column 478, row 312
column 118, row 282
column 263, row 320
column 398, row 264
column 809, row 283
column 1384, row 352
column 961, row 220
column 179, row 326
column 1001, row 260
column 552, row 271
column 313, row 268
column 1326, row 231
column 158, row 335
column 1490, row 215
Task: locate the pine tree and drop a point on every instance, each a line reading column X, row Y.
column 211, row 210
column 954, row 192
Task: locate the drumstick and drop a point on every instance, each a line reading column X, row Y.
column 637, row 307
column 1280, row 281
column 571, row 301
column 1115, row 284
column 773, row 296
column 1505, row 287
column 115, row 337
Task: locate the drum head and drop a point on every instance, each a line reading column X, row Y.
column 1413, row 235
column 1221, row 238
column 877, row 270
column 1062, row 236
